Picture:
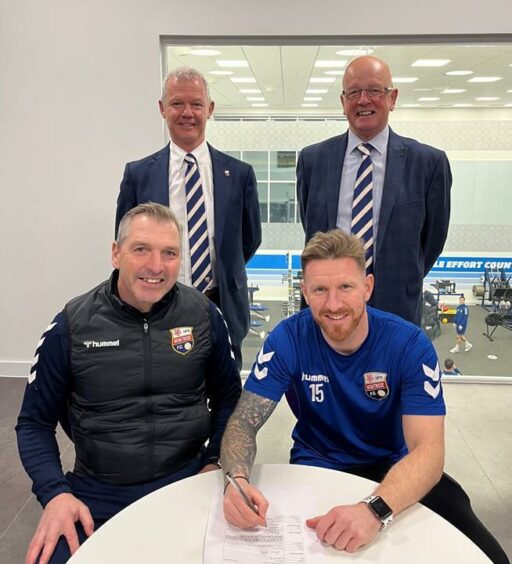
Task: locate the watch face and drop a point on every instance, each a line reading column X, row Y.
column 380, row 508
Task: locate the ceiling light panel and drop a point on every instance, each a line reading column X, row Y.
column 232, row 64
column 316, row 91
column 430, row 63
column 321, row 79
column 338, row 63
column 487, row 99
column 458, row 73
column 453, row 91
column 242, row 79
column 355, row 52
column 485, row 79
column 428, row 99
column 404, row 79
column 205, row 52
column 220, row 72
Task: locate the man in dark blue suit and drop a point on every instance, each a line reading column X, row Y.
column 411, row 189
column 229, row 195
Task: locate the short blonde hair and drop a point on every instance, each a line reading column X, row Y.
column 333, row 244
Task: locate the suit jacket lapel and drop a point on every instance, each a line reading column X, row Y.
column 395, row 163
column 161, row 175
column 334, row 165
column 222, row 180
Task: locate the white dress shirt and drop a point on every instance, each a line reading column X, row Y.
column 178, row 204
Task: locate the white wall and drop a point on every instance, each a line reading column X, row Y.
column 78, row 88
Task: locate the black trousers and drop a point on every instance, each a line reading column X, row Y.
column 450, row 501
column 104, row 501
column 213, row 295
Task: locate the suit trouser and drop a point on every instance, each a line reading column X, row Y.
column 214, row 296
column 104, row 500
column 450, row 501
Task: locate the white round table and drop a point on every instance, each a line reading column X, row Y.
column 169, row 525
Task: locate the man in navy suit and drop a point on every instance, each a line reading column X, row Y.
column 229, row 190
column 411, row 189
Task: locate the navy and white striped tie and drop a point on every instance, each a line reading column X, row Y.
column 362, row 204
column 200, row 260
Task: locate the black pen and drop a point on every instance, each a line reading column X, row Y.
column 237, row 487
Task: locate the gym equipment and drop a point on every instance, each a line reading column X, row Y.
column 253, row 328
column 258, row 311
column 478, row 290
column 430, row 322
column 494, row 279
column 444, row 287
column 446, row 313
column 292, row 279
column 502, row 317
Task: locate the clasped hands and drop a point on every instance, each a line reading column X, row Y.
column 344, row 527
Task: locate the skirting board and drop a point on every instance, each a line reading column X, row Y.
column 15, row 368
column 21, row 369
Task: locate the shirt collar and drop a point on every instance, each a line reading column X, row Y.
column 178, row 154
column 379, row 142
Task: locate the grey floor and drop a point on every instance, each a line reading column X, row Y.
column 479, row 456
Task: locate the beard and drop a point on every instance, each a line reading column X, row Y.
column 343, row 330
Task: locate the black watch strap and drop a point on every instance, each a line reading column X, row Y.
column 214, row 460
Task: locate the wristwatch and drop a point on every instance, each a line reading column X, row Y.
column 380, row 509
column 215, row 460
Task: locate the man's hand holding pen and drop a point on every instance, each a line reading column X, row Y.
column 244, row 505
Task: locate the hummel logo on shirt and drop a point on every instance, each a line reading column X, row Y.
column 99, row 344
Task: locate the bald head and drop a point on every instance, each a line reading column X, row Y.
column 366, row 66
column 368, row 115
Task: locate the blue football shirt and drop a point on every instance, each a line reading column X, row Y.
column 349, row 408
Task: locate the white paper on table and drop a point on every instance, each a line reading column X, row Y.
column 285, row 539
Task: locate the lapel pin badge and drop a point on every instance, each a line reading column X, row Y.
column 226, row 173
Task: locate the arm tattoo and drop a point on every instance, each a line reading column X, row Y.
column 239, row 442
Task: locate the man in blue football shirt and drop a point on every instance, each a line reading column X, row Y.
column 461, row 325
column 365, row 388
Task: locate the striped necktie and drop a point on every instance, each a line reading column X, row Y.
column 200, row 261
column 362, row 204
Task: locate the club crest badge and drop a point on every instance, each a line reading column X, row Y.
column 182, row 339
column 376, row 385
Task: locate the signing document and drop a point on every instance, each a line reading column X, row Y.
column 285, row 539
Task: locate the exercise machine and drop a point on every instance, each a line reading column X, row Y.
column 502, row 317
column 494, row 280
column 259, row 314
column 292, row 280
